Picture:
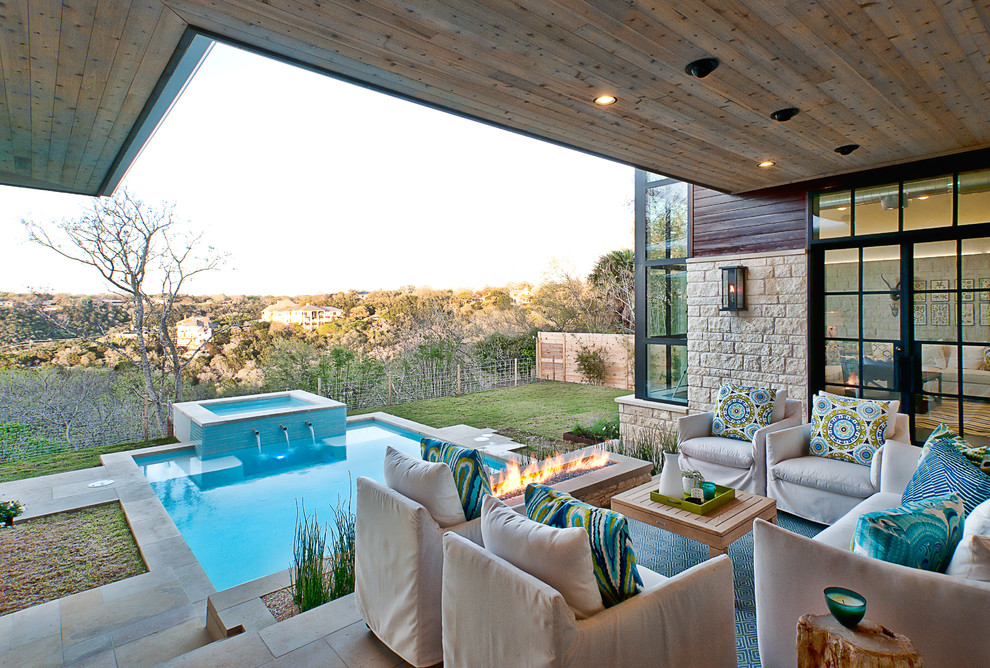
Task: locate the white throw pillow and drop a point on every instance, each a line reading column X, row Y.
column 971, row 559
column 431, row 484
column 779, row 406
column 559, row 557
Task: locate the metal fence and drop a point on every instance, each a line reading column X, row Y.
column 425, row 381
column 54, row 410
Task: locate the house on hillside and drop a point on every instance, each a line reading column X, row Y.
column 193, row 332
column 521, row 297
column 306, row 316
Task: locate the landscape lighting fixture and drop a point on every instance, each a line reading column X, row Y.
column 846, row 149
column 766, row 164
column 784, row 115
column 701, row 68
column 605, row 100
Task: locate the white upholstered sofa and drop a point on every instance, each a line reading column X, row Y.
column 819, row 489
column 944, row 616
column 495, row 614
column 398, row 564
column 728, row 461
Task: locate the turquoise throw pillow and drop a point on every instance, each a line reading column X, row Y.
column 945, row 470
column 974, row 453
column 611, row 545
column 847, row 428
column 741, row 411
column 919, row 534
column 469, row 471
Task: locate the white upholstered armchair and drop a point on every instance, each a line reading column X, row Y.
column 728, row 461
column 816, row 488
column 399, row 558
column 495, row 614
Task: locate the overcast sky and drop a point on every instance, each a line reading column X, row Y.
column 313, row 185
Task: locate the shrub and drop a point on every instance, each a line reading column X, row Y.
column 603, row 428
column 649, row 447
column 592, row 365
column 309, row 582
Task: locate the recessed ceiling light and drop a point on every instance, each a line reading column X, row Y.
column 766, row 163
column 701, row 68
column 784, row 115
column 605, row 100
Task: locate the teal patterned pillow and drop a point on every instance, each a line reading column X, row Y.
column 611, row 546
column 469, row 471
column 741, row 411
column 847, row 428
column 919, row 534
column 974, row 453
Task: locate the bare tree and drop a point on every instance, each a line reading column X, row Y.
column 134, row 245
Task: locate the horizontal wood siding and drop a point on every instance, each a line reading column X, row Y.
column 765, row 220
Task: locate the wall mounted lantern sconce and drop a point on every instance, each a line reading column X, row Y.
column 733, row 289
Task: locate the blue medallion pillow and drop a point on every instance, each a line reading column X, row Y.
column 919, row 534
column 468, row 468
column 611, row 545
column 741, row 411
column 945, row 470
column 847, row 428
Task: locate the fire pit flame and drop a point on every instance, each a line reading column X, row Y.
column 514, row 480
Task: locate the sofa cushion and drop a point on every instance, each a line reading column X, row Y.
column 559, row 557
column 971, row 559
column 608, row 533
column 847, row 428
column 718, row 450
column 741, row 411
column 919, row 534
column 470, row 475
column 974, row 453
column 779, row 406
column 830, row 475
column 945, row 470
column 429, row 484
column 841, row 533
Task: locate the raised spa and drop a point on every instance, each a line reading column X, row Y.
column 219, row 426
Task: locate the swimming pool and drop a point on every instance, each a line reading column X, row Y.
column 237, row 512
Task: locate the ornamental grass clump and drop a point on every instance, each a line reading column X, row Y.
column 309, row 582
column 340, row 562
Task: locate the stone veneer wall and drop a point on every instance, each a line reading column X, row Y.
column 765, row 345
column 641, row 421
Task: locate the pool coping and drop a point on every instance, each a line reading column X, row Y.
column 197, row 410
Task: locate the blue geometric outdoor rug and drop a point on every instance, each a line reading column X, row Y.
column 669, row 554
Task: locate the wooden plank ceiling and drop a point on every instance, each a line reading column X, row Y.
column 905, row 79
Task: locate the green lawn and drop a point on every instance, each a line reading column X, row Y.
column 546, row 408
column 70, row 460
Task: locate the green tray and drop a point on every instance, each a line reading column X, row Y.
column 722, row 496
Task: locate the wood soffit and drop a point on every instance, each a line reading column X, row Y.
column 905, row 80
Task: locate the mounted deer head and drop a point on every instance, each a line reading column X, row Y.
column 895, row 296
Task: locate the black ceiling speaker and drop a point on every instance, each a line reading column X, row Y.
column 847, row 149
column 701, row 68
column 782, row 115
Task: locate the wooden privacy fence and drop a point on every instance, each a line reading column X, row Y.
column 556, row 357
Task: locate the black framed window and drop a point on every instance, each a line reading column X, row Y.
column 900, row 297
column 662, row 249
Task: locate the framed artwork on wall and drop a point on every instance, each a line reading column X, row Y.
column 920, row 284
column 967, row 284
column 921, row 314
column 940, row 284
column 940, row 314
column 985, row 314
column 967, row 314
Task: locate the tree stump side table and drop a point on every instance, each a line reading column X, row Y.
column 822, row 641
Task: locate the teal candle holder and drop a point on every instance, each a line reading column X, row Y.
column 709, row 489
column 848, row 607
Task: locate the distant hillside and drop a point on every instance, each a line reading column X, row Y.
column 22, row 323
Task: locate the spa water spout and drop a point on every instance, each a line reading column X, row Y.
column 311, row 432
column 257, row 437
column 285, row 430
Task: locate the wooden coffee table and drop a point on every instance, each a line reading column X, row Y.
column 716, row 529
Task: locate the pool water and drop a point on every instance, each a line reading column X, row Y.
column 239, row 516
column 252, row 406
